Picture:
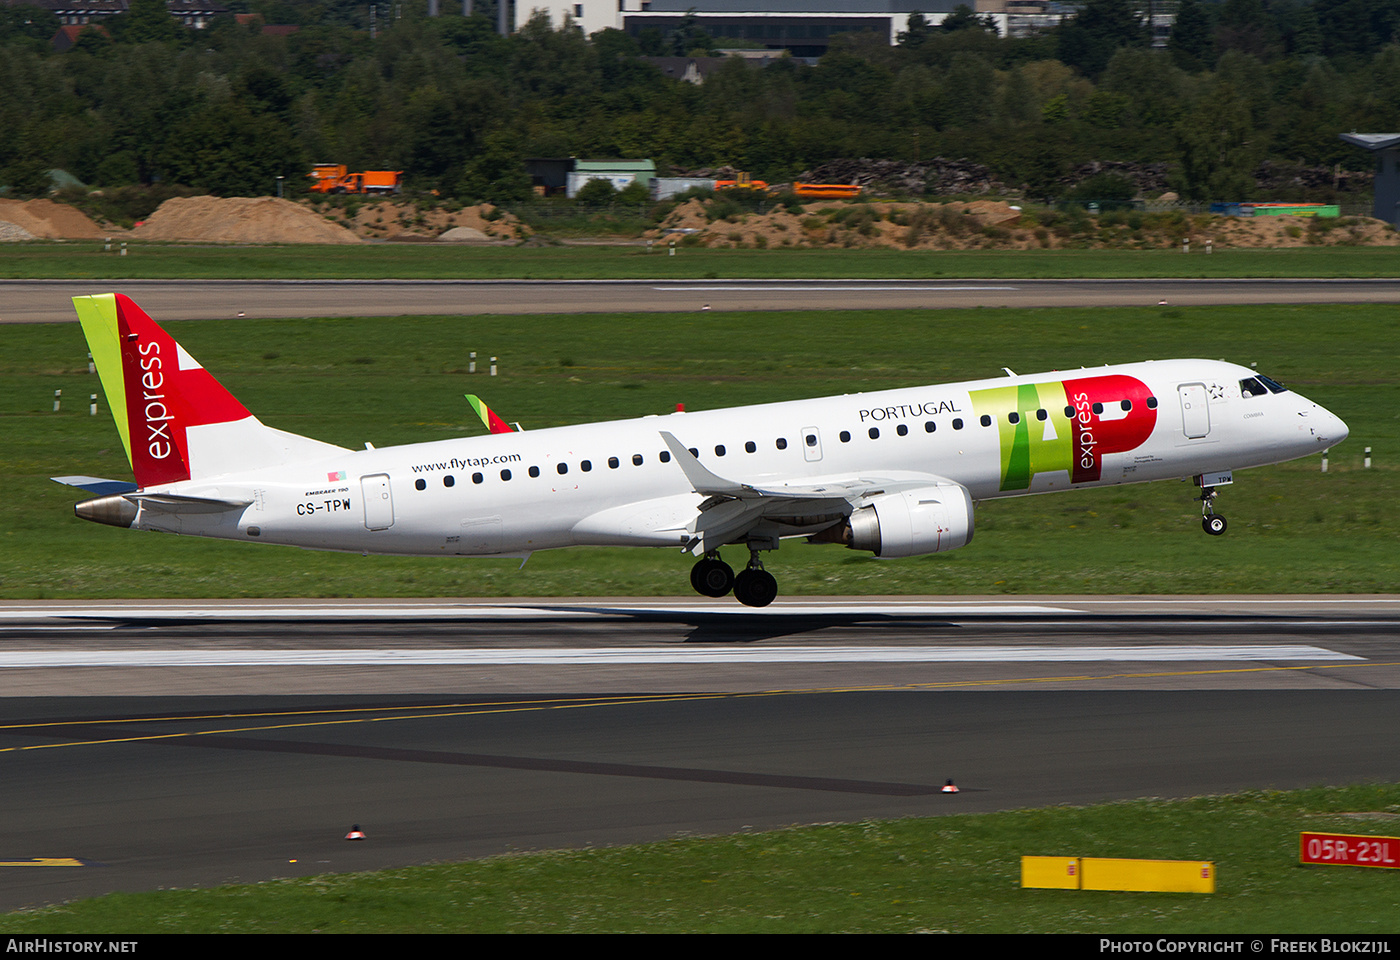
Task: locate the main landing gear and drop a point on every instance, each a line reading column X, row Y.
column 711, row 576
column 753, row 587
column 1211, row 522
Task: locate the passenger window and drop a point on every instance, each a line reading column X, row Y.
column 477, row 478
column 874, row 433
column 781, row 444
column 420, row 484
column 1152, row 403
column 448, row 480
column 957, row 423
column 1098, row 408
column 750, row 447
column 1013, row 417
column 811, row 439
column 613, row 463
column 845, row 437
column 636, row 459
column 585, row 465
column 563, row 468
column 664, row 456
column 534, row 471
column 719, row 449
column 930, row 426
column 986, row 421
column 505, row 474
column 1069, row 413
column 1042, row 414
column 695, row 452
column 1126, row 405
column 902, row 430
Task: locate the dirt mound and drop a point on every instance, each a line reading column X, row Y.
column 1298, row 232
column 997, row 225
column 240, row 220
column 46, row 220
column 396, row 220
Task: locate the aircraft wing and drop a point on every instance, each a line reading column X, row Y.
column 732, row 509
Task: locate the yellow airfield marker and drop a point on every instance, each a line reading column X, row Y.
column 1104, row 873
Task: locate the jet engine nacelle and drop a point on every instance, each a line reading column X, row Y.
column 913, row 522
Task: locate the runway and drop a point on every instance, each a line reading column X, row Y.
column 194, row 743
column 47, row 301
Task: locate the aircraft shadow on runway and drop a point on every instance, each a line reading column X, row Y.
column 622, row 624
column 689, row 626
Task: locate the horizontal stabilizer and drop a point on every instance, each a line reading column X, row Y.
column 97, row 485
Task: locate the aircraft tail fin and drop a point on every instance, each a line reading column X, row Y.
column 176, row 421
column 488, row 416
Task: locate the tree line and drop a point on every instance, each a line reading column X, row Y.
column 228, row 109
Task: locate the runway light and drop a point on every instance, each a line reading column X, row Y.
column 950, row 787
column 355, row 833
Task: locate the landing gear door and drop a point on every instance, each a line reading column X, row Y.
column 379, row 503
column 811, row 443
column 1195, row 411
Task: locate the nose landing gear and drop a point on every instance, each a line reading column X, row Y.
column 1211, row 522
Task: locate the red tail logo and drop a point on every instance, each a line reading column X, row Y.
column 167, row 393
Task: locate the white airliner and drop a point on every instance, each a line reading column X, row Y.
column 895, row 472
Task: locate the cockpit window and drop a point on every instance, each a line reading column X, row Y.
column 1259, row 385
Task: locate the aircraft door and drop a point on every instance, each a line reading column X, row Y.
column 1195, row 411
column 379, row 503
column 811, row 443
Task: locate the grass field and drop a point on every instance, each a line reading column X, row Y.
column 954, row 874
column 387, row 381
column 85, row 259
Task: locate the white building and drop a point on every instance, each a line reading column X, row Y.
column 803, row 27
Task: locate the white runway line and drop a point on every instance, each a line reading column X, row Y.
column 19, row 659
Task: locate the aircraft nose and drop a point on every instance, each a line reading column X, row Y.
column 1341, row 430
column 1332, row 430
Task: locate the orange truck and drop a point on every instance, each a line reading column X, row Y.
column 826, row 191
column 741, row 182
column 336, row 178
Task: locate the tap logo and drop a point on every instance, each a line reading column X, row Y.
column 167, row 394
column 1084, row 420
